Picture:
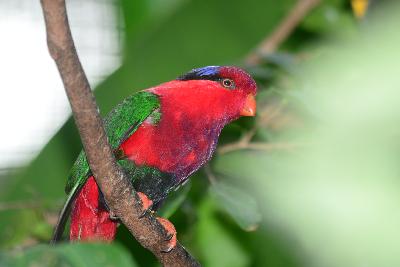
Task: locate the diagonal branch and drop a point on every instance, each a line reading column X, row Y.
column 258, row 146
column 118, row 192
column 267, row 46
column 281, row 33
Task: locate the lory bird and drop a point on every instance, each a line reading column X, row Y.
column 160, row 137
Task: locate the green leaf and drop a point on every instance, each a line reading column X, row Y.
column 218, row 246
column 17, row 226
column 71, row 255
column 42, row 231
column 156, row 50
column 241, row 206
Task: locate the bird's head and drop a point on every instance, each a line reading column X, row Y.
column 217, row 93
column 230, row 83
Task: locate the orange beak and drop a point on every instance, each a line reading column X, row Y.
column 249, row 108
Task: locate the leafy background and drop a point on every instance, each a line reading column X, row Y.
column 318, row 184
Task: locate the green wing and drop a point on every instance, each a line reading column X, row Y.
column 119, row 124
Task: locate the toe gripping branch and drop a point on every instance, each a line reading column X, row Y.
column 171, row 234
column 147, row 204
column 168, row 226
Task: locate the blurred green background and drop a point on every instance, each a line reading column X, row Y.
column 312, row 180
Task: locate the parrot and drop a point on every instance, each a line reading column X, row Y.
column 160, row 136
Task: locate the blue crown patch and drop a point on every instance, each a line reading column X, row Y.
column 205, row 73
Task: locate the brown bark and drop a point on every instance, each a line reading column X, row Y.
column 118, row 192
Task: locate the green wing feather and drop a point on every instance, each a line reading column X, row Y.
column 119, row 124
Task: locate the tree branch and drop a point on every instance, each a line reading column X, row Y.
column 19, row 205
column 254, row 58
column 280, row 34
column 117, row 190
column 259, row 146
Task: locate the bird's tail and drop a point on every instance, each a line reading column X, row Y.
column 64, row 214
column 90, row 219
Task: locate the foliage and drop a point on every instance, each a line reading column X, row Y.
column 65, row 255
column 301, row 195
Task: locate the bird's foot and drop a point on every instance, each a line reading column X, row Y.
column 113, row 216
column 171, row 234
column 147, row 203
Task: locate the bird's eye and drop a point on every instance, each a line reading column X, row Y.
column 228, row 83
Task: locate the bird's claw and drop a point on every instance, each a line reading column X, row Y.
column 169, row 237
column 147, row 204
column 113, row 216
column 167, row 250
column 171, row 234
column 142, row 214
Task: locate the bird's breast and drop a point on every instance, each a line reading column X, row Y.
column 176, row 146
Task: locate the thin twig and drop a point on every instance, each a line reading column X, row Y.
column 281, row 33
column 259, row 146
column 210, row 175
column 268, row 46
column 118, row 192
column 267, row 113
column 19, row 205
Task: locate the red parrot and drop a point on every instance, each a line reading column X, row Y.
column 160, row 137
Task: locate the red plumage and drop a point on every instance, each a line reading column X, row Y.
column 89, row 220
column 193, row 113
